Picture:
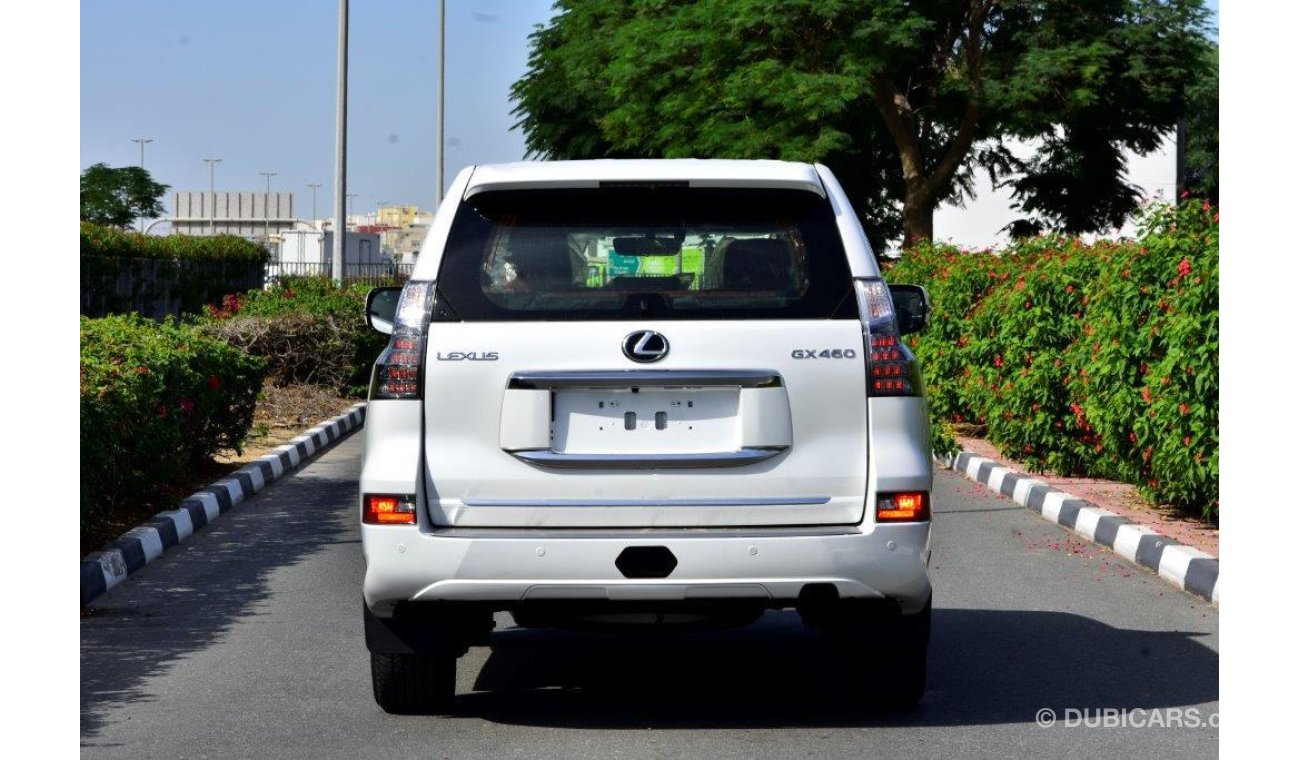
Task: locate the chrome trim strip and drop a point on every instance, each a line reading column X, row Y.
column 768, row 502
column 665, row 534
column 665, row 378
column 646, row 461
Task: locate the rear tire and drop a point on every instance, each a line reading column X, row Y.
column 414, row 684
column 886, row 657
column 906, row 644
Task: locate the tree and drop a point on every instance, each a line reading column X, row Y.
column 117, row 196
column 903, row 99
column 1202, row 159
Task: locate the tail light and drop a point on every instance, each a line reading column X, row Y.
column 387, row 509
column 909, row 506
column 398, row 371
column 892, row 369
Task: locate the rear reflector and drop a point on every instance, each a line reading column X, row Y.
column 386, row 509
column 910, row 506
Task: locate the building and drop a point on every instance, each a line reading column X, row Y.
column 311, row 252
column 252, row 215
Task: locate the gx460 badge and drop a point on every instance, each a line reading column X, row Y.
column 825, row 353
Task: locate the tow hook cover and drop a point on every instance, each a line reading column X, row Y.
column 646, row 562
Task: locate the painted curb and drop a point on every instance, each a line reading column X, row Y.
column 102, row 570
column 1191, row 570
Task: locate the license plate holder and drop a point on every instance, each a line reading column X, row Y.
column 646, row 420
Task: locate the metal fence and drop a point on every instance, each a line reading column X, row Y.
column 159, row 288
column 386, row 273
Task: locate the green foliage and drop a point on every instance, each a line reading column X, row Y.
column 125, row 272
column 1202, row 161
column 99, row 240
column 118, row 196
column 308, row 329
column 904, row 100
column 1079, row 359
column 155, row 398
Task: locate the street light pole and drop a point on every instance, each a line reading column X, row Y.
column 341, row 148
column 442, row 88
column 143, row 141
column 313, row 186
column 212, row 188
column 266, row 203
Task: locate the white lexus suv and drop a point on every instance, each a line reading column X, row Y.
column 645, row 393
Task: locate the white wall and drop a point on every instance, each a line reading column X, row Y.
column 312, row 247
column 978, row 224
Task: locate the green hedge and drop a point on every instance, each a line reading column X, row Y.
column 308, row 329
column 155, row 398
column 1082, row 359
column 97, row 240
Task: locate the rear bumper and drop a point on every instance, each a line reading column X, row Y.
column 771, row 568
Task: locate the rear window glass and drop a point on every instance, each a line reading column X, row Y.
column 637, row 253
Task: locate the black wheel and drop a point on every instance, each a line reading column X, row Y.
column 884, row 656
column 906, row 645
column 414, row 684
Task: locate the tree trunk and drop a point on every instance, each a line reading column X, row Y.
column 918, row 219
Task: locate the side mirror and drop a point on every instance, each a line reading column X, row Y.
column 911, row 308
column 381, row 309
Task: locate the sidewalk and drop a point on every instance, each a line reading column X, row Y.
column 1120, row 498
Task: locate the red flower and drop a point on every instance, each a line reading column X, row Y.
column 187, row 405
column 1182, row 409
column 1187, row 440
column 1132, row 438
column 1097, row 448
column 142, row 370
column 1069, row 288
column 214, row 383
column 1184, row 267
column 1146, row 394
column 997, row 361
column 161, row 410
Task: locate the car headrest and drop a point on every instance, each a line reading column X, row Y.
column 541, row 255
column 757, row 264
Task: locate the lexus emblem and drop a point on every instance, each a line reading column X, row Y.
column 645, row 346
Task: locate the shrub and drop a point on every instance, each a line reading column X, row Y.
column 1085, row 359
column 155, row 398
column 308, row 329
column 125, row 272
column 97, row 240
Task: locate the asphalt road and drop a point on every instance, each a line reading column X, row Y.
column 246, row 642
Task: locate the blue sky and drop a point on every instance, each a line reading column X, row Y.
column 253, row 84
